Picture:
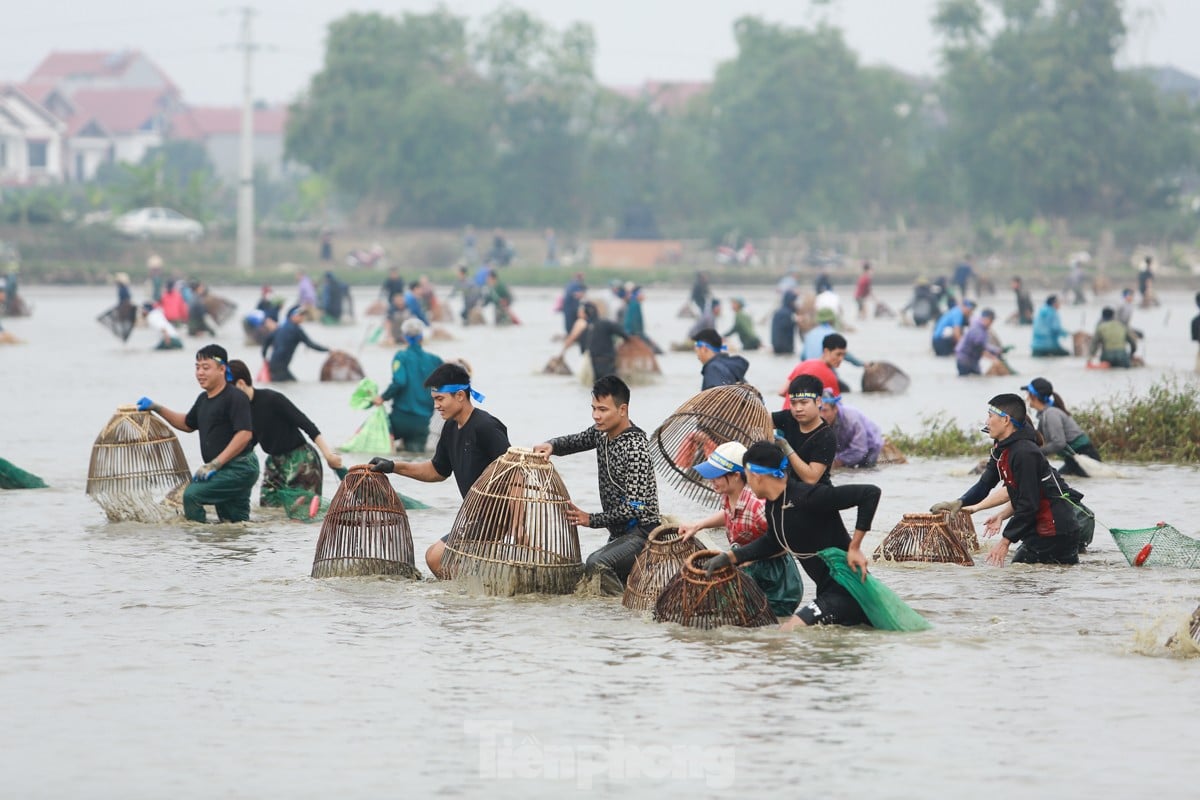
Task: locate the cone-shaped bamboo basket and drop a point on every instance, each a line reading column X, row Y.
column 733, row 413
column 1193, row 630
column 365, row 531
column 883, row 376
column 340, row 366
column 511, row 535
column 963, row 527
column 727, row 597
column 636, row 361
column 136, row 461
column 219, row 308
column 659, row 561
column 923, row 537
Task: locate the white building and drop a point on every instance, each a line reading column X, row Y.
column 31, row 141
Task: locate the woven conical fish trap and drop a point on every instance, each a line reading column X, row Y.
column 923, row 537
column 661, row 560
column 733, row 413
column 727, row 597
column 883, row 376
column 340, row 366
column 636, row 361
column 511, row 535
column 219, row 308
column 365, row 531
column 136, row 461
column 963, row 527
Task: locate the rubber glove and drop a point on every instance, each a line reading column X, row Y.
column 953, row 506
column 784, row 444
column 145, row 404
column 206, row 471
column 381, row 465
column 717, row 562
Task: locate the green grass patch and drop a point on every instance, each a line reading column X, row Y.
column 940, row 438
column 1161, row 426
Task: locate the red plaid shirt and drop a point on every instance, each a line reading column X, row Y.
column 747, row 520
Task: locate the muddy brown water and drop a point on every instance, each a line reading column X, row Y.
column 202, row 661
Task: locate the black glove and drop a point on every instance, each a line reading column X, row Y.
column 717, row 562
column 953, row 506
column 381, row 465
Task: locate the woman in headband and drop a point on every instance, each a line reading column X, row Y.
column 1061, row 434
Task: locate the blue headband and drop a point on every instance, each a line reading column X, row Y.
column 451, row 388
column 721, row 349
column 774, row 472
column 413, row 339
column 228, row 371
column 1047, row 400
column 999, row 413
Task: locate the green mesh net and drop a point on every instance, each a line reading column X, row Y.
column 882, row 606
column 303, row 505
column 13, row 477
column 374, row 436
column 1160, row 546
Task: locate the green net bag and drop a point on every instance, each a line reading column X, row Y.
column 881, row 605
column 13, row 477
column 363, row 396
column 374, row 436
column 1160, row 546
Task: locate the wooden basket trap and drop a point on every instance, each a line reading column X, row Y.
column 883, row 376
column 727, row 597
column 136, row 461
column 635, row 360
column 661, row 560
column 511, row 535
column 926, row 538
column 365, row 531
column 963, row 528
column 219, row 308
column 340, row 366
column 733, row 413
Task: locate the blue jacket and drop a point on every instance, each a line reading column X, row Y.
column 723, row 369
column 1047, row 328
column 953, row 318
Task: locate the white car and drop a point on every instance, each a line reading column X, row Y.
column 158, row 223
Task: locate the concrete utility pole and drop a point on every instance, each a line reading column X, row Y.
column 245, row 200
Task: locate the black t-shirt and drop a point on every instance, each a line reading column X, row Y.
column 277, row 423
column 600, row 335
column 467, row 451
column 819, row 444
column 1196, row 328
column 218, row 419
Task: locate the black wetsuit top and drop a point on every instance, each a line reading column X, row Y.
column 277, row 423
column 806, row 517
column 218, row 419
column 467, row 451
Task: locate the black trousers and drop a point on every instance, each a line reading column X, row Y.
column 618, row 555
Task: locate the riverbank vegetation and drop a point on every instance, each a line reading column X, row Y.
column 1161, row 426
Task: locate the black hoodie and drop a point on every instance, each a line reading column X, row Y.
column 723, row 369
column 1034, row 487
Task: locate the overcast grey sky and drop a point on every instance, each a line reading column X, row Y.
column 636, row 39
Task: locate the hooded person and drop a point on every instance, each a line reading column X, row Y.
column 743, row 517
column 718, row 367
column 1044, row 515
column 783, row 325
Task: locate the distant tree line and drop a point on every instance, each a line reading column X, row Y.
column 421, row 120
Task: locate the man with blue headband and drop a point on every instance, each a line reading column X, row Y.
column 222, row 416
column 471, row 440
column 802, row 520
column 1043, row 518
column 808, row 443
column 859, row 440
column 718, row 368
column 743, row 518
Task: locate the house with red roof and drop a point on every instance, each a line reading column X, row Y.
column 219, row 129
column 31, row 140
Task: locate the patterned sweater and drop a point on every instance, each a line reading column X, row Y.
column 628, row 490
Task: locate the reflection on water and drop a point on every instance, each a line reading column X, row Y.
column 202, row 661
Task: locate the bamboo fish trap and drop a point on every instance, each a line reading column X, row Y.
column 733, row 413
column 219, row 308
column 963, row 527
column 365, row 531
column 511, row 535
column 136, row 461
column 340, row 366
column 727, row 597
column 883, row 376
column 660, row 561
column 1191, row 632
column 636, row 361
column 926, row 538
